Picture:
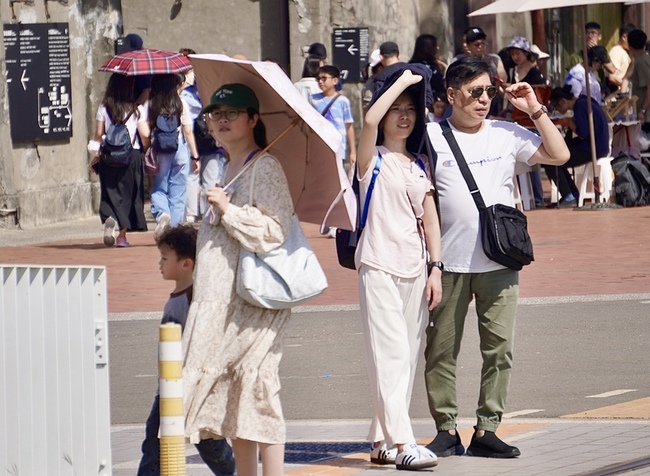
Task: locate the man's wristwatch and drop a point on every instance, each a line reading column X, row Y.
column 195, row 159
column 435, row 264
column 536, row 115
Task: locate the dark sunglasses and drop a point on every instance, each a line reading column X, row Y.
column 477, row 92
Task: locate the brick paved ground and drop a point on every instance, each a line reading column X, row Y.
column 577, row 253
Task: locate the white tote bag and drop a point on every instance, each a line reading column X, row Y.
column 281, row 278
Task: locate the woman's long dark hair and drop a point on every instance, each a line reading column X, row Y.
column 310, row 66
column 425, row 50
column 259, row 131
column 164, row 97
column 118, row 97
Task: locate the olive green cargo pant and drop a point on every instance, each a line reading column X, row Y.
column 496, row 294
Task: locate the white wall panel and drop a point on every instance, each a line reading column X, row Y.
column 54, row 387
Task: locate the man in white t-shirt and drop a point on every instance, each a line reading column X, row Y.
column 491, row 149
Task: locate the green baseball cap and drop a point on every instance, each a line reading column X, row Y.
column 236, row 95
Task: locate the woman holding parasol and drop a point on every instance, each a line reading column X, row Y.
column 232, row 348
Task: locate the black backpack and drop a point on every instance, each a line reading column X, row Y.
column 165, row 135
column 205, row 143
column 631, row 181
column 117, row 146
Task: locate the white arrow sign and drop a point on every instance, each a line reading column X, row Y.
column 24, row 80
column 352, row 49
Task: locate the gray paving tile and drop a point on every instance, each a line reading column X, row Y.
column 559, row 448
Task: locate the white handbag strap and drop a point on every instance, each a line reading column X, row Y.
column 252, row 185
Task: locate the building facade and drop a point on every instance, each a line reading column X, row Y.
column 47, row 180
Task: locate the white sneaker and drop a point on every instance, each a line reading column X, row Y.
column 382, row 455
column 109, row 231
column 415, row 457
column 162, row 225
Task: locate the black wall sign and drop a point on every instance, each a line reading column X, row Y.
column 38, row 81
column 122, row 45
column 350, row 52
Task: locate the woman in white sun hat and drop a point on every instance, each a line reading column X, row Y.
column 525, row 69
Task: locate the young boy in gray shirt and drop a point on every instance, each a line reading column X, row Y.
column 177, row 247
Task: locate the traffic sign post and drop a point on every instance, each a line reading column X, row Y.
column 350, row 53
column 38, row 81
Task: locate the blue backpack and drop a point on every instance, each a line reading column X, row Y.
column 165, row 135
column 117, row 146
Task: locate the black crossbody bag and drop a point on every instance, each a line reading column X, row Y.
column 504, row 229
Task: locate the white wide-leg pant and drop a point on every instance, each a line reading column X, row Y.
column 394, row 314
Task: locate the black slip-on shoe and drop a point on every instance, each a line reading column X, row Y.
column 446, row 444
column 490, row 446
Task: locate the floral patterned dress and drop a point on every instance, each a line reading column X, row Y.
column 232, row 350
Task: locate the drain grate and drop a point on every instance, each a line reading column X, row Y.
column 308, row 452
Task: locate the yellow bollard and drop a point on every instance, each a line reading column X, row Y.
column 172, row 417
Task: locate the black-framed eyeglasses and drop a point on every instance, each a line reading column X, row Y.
column 323, row 78
column 477, row 91
column 230, row 114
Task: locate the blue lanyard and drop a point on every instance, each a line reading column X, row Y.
column 375, row 173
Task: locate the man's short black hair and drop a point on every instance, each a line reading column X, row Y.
column 333, row 71
column 626, row 29
column 465, row 70
column 636, row 39
column 592, row 25
column 180, row 239
column 565, row 92
column 389, row 49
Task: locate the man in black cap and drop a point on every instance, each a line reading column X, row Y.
column 475, row 44
column 389, row 56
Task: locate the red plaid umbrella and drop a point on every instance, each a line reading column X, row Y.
column 147, row 61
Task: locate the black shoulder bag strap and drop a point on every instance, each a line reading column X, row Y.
column 462, row 164
column 329, row 105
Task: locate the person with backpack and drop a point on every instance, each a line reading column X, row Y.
column 118, row 152
column 396, row 287
column 212, row 158
column 166, row 116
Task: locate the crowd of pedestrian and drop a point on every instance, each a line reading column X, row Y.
column 425, row 127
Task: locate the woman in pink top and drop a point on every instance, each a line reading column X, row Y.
column 395, row 291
